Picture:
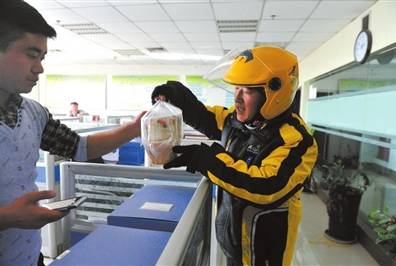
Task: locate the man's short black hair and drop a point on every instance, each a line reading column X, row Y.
column 74, row 103
column 17, row 18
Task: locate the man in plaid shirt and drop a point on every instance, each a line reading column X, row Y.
column 25, row 127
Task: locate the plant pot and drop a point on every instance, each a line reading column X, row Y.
column 343, row 208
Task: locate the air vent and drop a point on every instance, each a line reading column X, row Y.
column 156, row 49
column 84, row 28
column 225, row 26
column 129, row 52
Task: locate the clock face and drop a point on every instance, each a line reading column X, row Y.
column 362, row 46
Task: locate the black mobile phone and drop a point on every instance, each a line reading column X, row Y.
column 65, row 205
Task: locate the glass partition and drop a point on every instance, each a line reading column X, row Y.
column 351, row 112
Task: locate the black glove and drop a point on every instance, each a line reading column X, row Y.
column 163, row 90
column 189, row 156
column 175, row 93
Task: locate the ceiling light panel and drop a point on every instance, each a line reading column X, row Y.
column 238, row 11
column 194, row 11
column 279, row 25
column 84, row 28
column 144, row 12
column 157, row 26
column 237, row 26
column 207, row 26
column 288, row 9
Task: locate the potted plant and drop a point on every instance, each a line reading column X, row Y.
column 346, row 184
column 384, row 225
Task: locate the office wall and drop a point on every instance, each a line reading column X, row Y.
column 117, row 94
column 58, row 100
column 338, row 51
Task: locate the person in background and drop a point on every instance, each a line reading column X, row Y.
column 266, row 155
column 74, row 111
column 25, row 127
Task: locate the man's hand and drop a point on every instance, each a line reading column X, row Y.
column 25, row 212
column 136, row 124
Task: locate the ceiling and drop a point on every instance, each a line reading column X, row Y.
column 188, row 31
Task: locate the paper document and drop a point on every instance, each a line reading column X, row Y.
column 156, row 206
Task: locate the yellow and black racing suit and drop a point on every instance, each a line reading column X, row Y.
column 260, row 174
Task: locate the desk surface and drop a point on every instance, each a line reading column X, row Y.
column 130, row 213
column 113, row 245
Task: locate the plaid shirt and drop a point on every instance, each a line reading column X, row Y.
column 57, row 138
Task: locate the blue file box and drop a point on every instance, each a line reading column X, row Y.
column 131, row 153
column 113, row 245
column 130, row 213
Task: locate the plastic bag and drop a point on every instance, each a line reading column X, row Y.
column 162, row 128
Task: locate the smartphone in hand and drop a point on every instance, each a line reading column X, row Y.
column 65, row 205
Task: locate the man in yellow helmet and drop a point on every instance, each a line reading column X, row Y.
column 265, row 156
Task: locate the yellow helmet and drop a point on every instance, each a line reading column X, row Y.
column 273, row 68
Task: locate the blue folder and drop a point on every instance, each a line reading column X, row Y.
column 113, row 245
column 130, row 213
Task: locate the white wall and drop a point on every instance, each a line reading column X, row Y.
column 126, row 69
column 97, row 104
column 338, row 51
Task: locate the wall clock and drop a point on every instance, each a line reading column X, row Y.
column 362, row 46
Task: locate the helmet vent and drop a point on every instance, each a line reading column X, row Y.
column 275, row 84
column 225, row 26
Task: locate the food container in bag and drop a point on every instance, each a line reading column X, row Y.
column 162, row 128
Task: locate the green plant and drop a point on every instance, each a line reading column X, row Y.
column 384, row 225
column 343, row 172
